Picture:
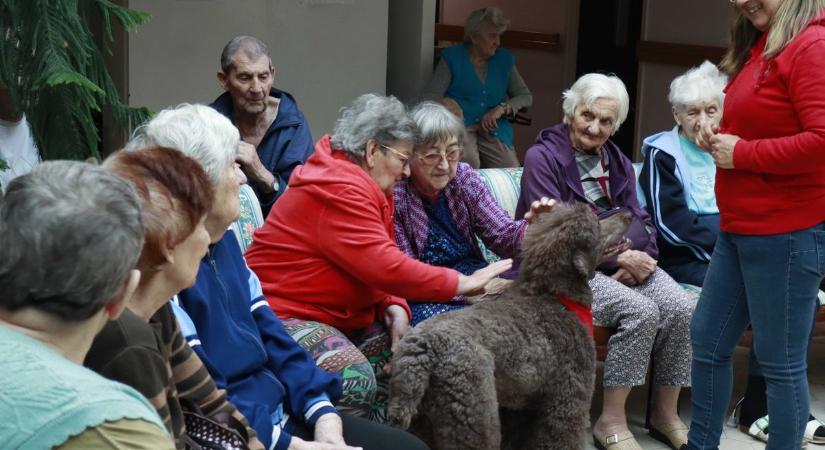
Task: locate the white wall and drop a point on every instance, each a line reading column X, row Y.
column 698, row 22
column 326, row 52
column 410, row 47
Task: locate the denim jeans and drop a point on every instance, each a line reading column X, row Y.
column 769, row 282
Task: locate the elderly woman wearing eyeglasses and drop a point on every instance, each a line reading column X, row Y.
column 444, row 205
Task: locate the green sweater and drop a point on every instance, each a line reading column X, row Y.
column 45, row 398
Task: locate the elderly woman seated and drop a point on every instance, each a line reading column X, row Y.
column 479, row 82
column 326, row 253
column 70, row 235
column 444, row 205
column 575, row 161
column 144, row 347
column 272, row 380
column 678, row 177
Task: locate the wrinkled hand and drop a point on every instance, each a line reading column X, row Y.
column 453, row 106
column 613, row 250
column 488, row 120
column 624, row 277
column 329, row 429
column 537, row 207
column 639, row 264
column 707, row 131
column 492, row 290
column 475, row 283
column 722, row 146
column 397, row 323
column 300, row 444
column 252, row 166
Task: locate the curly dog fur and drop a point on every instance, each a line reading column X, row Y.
column 518, row 371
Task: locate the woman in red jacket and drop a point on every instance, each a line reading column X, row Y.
column 327, row 251
column 770, row 185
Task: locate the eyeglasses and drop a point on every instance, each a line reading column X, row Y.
column 434, row 158
column 405, row 160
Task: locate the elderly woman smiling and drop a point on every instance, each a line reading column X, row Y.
column 326, row 252
column 444, row 205
column 576, row 162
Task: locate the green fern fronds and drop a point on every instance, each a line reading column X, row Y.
column 55, row 74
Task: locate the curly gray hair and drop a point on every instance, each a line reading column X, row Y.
column 70, row 233
column 372, row 116
column 699, row 84
column 484, row 18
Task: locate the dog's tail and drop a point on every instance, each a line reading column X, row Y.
column 411, row 368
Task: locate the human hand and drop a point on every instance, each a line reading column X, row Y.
column 397, row 323
column 453, row 106
column 329, row 429
column 722, row 146
column 488, row 120
column 708, row 130
column 624, row 277
column 252, row 166
column 615, row 249
column 300, row 444
column 639, row 264
column 537, row 207
column 475, row 283
column 492, row 290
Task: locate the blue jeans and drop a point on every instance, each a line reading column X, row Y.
column 769, row 282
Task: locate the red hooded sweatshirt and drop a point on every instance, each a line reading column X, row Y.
column 327, row 251
column 778, row 109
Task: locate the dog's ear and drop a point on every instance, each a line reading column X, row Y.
column 582, row 264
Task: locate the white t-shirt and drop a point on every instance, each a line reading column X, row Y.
column 17, row 148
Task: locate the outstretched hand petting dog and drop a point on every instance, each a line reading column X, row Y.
column 475, row 283
column 538, row 207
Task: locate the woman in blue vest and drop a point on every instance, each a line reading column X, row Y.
column 479, row 82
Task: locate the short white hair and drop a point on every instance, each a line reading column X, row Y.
column 437, row 124
column 699, row 84
column 591, row 87
column 484, row 17
column 196, row 130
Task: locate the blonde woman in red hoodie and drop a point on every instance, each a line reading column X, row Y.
column 327, row 253
column 770, row 187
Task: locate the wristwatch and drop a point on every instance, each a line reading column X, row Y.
column 505, row 106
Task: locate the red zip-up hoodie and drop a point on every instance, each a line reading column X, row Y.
column 778, row 109
column 327, row 251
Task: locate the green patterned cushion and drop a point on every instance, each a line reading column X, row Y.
column 250, row 219
column 505, row 185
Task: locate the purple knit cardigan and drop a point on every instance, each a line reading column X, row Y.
column 473, row 208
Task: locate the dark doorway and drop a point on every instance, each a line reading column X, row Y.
column 608, row 33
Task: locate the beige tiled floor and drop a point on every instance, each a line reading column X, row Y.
column 732, row 438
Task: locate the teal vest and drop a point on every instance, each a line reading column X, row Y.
column 45, row 399
column 475, row 97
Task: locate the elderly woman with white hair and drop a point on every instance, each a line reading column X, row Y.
column 478, row 81
column 326, row 253
column 575, row 161
column 444, row 206
column 678, row 177
column 224, row 317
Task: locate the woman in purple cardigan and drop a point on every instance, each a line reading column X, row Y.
column 444, row 205
column 576, row 162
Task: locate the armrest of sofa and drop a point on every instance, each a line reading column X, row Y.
column 250, row 219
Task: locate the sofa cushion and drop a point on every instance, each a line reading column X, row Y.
column 250, row 219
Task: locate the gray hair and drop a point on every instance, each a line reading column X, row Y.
column 196, row 130
column 591, row 87
column 70, row 232
column 252, row 47
column 437, row 123
column 699, row 84
column 484, row 18
column 372, row 116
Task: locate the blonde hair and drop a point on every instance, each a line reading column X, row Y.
column 790, row 19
